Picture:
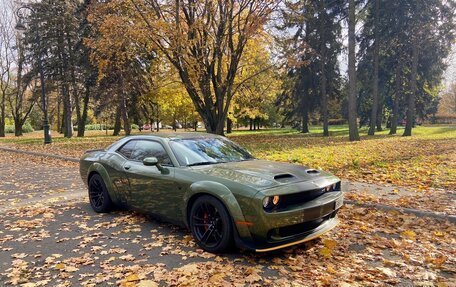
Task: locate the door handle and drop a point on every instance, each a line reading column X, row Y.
column 127, row 167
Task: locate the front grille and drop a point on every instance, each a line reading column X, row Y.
column 297, row 229
column 288, row 200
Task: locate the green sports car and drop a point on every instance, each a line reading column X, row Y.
column 215, row 188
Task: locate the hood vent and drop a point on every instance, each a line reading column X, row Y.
column 285, row 177
column 312, row 171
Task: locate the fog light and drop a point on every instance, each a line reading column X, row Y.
column 270, row 202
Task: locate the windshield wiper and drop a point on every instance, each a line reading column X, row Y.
column 202, row 163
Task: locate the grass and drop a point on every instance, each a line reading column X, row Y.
column 427, row 159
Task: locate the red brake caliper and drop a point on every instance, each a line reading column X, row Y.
column 206, row 221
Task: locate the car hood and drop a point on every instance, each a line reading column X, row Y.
column 261, row 173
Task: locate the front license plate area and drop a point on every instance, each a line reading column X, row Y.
column 339, row 202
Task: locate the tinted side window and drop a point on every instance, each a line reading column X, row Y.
column 127, row 149
column 146, row 148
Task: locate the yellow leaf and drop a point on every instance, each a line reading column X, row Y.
column 216, row 278
column 330, row 269
column 438, row 233
column 409, row 234
column 325, row 252
column 132, row 277
column 147, row 283
column 59, row 266
column 330, row 244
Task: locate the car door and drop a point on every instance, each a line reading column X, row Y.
column 151, row 190
column 115, row 162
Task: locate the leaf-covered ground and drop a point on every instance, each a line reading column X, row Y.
column 67, row 244
column 425, row 160
column 48, row 240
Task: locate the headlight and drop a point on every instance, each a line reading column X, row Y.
column 270, row 202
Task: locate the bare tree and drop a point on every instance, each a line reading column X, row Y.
column 7, row 42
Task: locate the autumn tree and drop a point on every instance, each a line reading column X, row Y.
column 122, row 56
column 205, row 42
column 311, row 44
column 257, row 84
column 55, row 32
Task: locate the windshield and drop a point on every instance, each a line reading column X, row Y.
column 200, row 151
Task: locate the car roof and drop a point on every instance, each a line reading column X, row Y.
column 175, row 135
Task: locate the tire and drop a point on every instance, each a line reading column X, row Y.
column 98, row 195
column 211, row 224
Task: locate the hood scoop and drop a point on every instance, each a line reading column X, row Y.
column 284, row 177
column 312, row 171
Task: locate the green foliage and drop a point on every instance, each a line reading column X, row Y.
column 94, row 127
column 26, row 128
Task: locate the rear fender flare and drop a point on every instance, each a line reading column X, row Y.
column 99, row 168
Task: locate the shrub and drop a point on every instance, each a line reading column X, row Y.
column 9, row 129
column 92, row 127
column 26, row 128
column 335, row 122
column 134, row 126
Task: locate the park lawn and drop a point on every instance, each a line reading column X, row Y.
column 425, row 160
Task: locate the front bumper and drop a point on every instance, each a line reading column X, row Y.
column 297, row 224
column 317, row 232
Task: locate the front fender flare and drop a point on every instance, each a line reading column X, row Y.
column 222, row 193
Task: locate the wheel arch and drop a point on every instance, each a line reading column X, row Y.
column 98, row 168
column 224, row 195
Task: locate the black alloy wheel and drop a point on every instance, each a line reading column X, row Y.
column 98, row 195
column 211, row 225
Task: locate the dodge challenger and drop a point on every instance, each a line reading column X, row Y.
column 215, row 188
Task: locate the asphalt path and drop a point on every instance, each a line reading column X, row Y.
column 49, row 236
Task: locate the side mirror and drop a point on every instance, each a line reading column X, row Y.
column 153, row 161
column 150, row 161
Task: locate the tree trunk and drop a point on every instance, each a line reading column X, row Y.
column 67, row 113
column 324, row 102
column 305, row 121
column 18, row 127
column 195, row 126
column 411, row 97
column 323, row 77
column 2, row 118
column 157, row 127
column 380, row 115
column 397, row 93
column 2, row 114
column 251, row 124
column 124, row 113
column 59, row 119
column 117, row 122
column 85, row 107
column 352, row 97
column 229, row 126
column 374, row 111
